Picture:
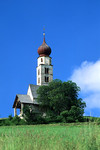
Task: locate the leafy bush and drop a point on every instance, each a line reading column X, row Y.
column 12, row 121
column 32, row 117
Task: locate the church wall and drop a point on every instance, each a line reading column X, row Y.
column 44, row 60
column 30, row 93
column 41, row 75
column 35, row 108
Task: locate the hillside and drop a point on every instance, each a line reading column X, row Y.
column 84, row 136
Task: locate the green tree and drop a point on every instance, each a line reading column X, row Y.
column 60, row 96
column 32, row 117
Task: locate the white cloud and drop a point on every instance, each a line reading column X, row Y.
column 93, row 100
column 87, row 77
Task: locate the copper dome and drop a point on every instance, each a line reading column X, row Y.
column 44, row 49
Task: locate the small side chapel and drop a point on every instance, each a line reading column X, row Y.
column 44, row 76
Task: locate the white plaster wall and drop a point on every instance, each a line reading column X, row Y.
column 46, row 60
column 39, row 76
column 39, row 60
column 41, row 66
column 42, row 74
column 30, row 93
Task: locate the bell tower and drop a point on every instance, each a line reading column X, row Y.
column 44, row 66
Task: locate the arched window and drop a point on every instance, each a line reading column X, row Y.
column 41, row 59
column 46, row 79
column 38, row 71
column 50, row 61
column 46, row 70
column 38, row 80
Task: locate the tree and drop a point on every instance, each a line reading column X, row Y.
column 32, row 117
column 58, row 97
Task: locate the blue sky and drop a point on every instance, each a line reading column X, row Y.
column 73, row 33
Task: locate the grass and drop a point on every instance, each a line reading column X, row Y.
column 51, row 137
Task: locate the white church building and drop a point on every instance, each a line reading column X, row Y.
column 44, row 76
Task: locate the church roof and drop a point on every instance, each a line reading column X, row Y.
column 34, row 90
column 44, row 49
column 24, row 99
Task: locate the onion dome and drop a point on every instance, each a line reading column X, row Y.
column 44, row 49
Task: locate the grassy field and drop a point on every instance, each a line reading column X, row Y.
column 50, row 137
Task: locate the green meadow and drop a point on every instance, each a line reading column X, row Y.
column 50, row 137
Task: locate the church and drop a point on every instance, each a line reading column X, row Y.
column 44, row 76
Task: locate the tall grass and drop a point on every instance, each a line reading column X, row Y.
column 50, row 137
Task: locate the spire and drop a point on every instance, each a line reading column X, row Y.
column 44, row 49
column 44, row 35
